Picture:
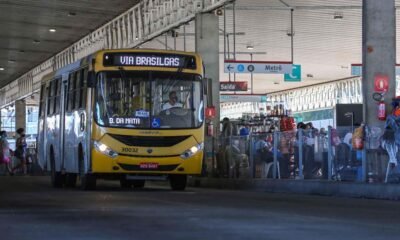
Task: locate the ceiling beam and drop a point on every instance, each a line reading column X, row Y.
column 284, row 3
column 31, row 39
column 318, row 7
column 18, row 50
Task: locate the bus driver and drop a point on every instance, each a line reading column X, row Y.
column 172, row 102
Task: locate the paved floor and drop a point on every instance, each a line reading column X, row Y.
column 31, row 209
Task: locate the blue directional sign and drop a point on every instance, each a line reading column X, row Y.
column 240, row 68
column 295, row 76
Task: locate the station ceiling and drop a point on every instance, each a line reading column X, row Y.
column 25, row 37
column 327, row 38
column 327, row 35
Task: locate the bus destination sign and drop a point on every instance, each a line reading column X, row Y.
column 148, row 60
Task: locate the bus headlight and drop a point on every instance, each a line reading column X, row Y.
column 192, row 151
column 104, row 149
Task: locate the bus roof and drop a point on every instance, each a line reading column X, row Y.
column 86, row 60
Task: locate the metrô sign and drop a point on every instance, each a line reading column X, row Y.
column 233, row 66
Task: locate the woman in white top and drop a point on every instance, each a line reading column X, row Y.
column 5, row 151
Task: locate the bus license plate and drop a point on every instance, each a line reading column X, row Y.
column 148, row 165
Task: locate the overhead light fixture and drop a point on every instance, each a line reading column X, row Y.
column 289, row 33
column 2, row 69
column 36, row 41
column 250, row 47
column 338, row 15
column 219, row 12
column 52, row 30
column 136, row 38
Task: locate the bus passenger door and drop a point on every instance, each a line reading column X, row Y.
column 81, row 124
column 41, row 140
column 63, row 100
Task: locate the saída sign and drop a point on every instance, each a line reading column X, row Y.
column 233, row 86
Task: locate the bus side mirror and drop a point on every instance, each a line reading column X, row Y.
column 91, row 79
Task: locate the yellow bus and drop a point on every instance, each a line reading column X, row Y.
column 130, row 115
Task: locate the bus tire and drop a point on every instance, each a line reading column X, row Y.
column 88, row 181
column 178, row 182
column 125, row 183
column 57, row 179
column 138, row 183
column 70, row 180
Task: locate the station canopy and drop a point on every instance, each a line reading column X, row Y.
column 326, row 35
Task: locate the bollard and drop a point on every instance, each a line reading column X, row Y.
column 251, row 159
column 330, row 153
column 301, row 154
column 275, row 154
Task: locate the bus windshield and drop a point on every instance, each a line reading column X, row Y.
column 149, row 100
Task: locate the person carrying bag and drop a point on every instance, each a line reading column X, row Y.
column 20, row 151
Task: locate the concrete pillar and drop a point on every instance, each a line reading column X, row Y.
column 207, row 45
column 20, row 114
column 379, row 53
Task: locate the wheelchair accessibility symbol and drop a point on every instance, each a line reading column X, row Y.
column 156, row 123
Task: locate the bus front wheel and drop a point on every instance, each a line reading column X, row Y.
column 57, row 179
column 178, row 182
column 88, row 181
column 71, row 180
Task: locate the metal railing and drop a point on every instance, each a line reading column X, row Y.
column 309, row 154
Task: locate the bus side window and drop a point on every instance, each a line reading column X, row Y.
column 49, row 98
column 66, row 97
column 71, row 92
column 77, row 89
column 57, row 96
column 83, row 88
column 42, row 101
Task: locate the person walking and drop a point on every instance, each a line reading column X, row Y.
column 5, row 154
column 20, row 151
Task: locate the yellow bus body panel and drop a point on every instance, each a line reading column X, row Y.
column 165, row 157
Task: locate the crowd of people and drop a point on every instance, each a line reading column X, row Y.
column 233, row 153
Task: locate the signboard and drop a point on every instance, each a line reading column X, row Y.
column 381, row 83
column 295, row 76
column 146, row 59
column 356, row 69
column 233, row 86
column 257, row 67
column 242, row 98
